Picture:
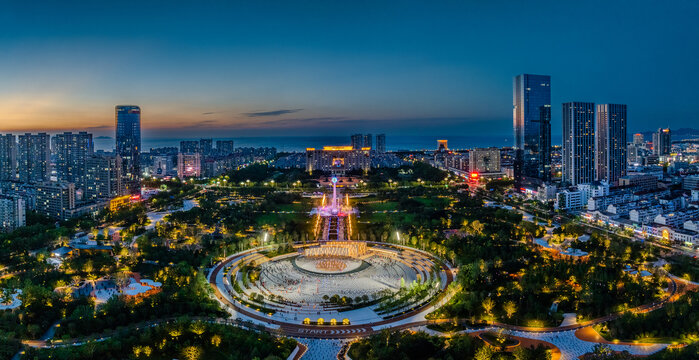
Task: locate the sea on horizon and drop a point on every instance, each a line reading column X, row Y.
column 300, row 143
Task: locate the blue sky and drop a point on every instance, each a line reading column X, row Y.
column 325, row 67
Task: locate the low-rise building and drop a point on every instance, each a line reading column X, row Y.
column 640, row 182
column 569, row 200
column 338, row 159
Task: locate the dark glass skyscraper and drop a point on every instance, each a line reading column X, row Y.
column 531, row 116
column 610, row 158
column 128, row 145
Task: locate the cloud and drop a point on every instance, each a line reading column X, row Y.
column 303, row 121
column 99, row 127
column 271, row 113
column 209, row 113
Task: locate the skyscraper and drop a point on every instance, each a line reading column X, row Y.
column 72, row 153
column 224, row 147
column 610, row 150
column 8, row 157
column 34, row 157
column 531, row 115
column 368, row 141
column 357, row 141
column 381, row 143
column 638, row 139
column 128, row 146
column 189, row 147
column 205, row 146
column 578, row 143
column 662, row 142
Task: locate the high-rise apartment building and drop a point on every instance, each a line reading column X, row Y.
column 128, row 146
column 12, row 213
column 531, row 115
column 610, row 143
column 189, row 147
column 578, row 143
column 72, row 152
column 205, row 146
column 638, row 139
column 368, row 141
column 381, row 143
column 224, row 147
column 34, row 157
column 103, row 177
column 357, row 141
column 662, row 142
column 8, row 157
column 55, row 199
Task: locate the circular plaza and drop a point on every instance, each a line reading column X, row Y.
column 324, row 291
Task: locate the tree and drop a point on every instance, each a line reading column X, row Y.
column 191, row 353
column 484, row 353
column 488, row 305
column 198, row 327
column 510, row 308
column 216, row 340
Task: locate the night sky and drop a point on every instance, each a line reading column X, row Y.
column 330, row 67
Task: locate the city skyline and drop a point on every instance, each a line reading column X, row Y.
column 242, row 72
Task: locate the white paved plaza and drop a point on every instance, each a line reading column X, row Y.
column 284, row 279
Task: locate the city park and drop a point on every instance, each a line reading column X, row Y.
column 410, row 263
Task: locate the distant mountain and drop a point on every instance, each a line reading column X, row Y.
column 677, row 134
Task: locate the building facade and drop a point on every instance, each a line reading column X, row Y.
column 12, row 213
column 610, row 143
column 103, row 178
column 72, row 152
column 188, row 165
column 55, row 199
column 381, row 143
column 189, row 147
column 484, row 160
column 34, row 158
column 128, row 146
column 662, row 142
column 338, row 159
column 531, row 115
column 8, row 157
column 224, row 147
column 206, row 146
column 578, row 157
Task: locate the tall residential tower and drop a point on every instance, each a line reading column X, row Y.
column 8, row 157
column 72, row 153
column 578, row 143
column 34, row 157
column 610, row 143
column 662, row 142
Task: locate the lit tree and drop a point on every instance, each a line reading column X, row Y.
column 198, row 327
column 488, row 305
column 216, row 340
column 484, row 353
column 191, row 353
column 510, row 308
